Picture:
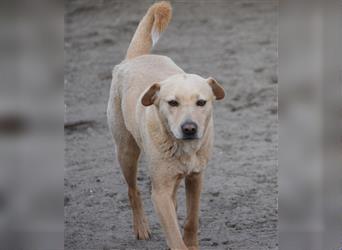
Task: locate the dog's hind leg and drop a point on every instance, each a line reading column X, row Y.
column 128, row 155
column 127, row 152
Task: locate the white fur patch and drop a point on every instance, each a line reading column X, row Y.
column 155, row 35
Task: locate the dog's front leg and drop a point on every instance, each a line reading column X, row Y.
column 193, row 186
column 162, row 196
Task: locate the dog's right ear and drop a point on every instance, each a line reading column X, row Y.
column 217, row 89
column 150, row 95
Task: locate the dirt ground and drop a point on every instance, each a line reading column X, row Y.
column 233, row 41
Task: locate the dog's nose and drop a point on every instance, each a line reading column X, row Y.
column 189, row 128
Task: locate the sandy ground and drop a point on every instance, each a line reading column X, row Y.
column 233, row 41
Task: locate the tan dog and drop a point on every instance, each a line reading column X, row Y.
column 155, row 107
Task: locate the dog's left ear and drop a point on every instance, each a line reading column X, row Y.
column 150, row 95
column 217, row 88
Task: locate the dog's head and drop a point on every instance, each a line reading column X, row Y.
column 184, row 103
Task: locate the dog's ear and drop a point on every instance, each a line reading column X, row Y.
column 217, row 88
column 150, row 95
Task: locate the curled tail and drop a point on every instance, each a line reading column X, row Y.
column 149, row 29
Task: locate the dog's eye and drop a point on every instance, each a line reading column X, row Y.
column 173, row 103
column 201, row 102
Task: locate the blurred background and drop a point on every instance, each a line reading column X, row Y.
column 31, row 125
column 32, row 115
column 310, row 118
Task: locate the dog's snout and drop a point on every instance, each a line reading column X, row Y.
column 189, row 129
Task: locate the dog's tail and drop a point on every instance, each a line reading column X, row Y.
column 149, row 29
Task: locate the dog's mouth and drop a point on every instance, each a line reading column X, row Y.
column 189, row 138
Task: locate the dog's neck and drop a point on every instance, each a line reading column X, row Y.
column 185, row 151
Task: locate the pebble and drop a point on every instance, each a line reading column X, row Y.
column 66, row 200
column 274, row 79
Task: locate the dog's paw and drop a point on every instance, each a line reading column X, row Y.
column 143, row 235
column 142, row 230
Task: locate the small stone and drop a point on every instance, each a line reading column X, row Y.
column 66, row 200
column 111, row 194
column 273, row 110
column 206, row 239
column 268, row 139
column 259, row 70
column 215, row 194
column 274, row 79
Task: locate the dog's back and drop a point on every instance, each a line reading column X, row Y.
column 139, row 70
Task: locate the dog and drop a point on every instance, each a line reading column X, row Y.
column 156, row 108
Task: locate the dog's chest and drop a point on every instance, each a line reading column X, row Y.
column 190, row 161
column 191, row 165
